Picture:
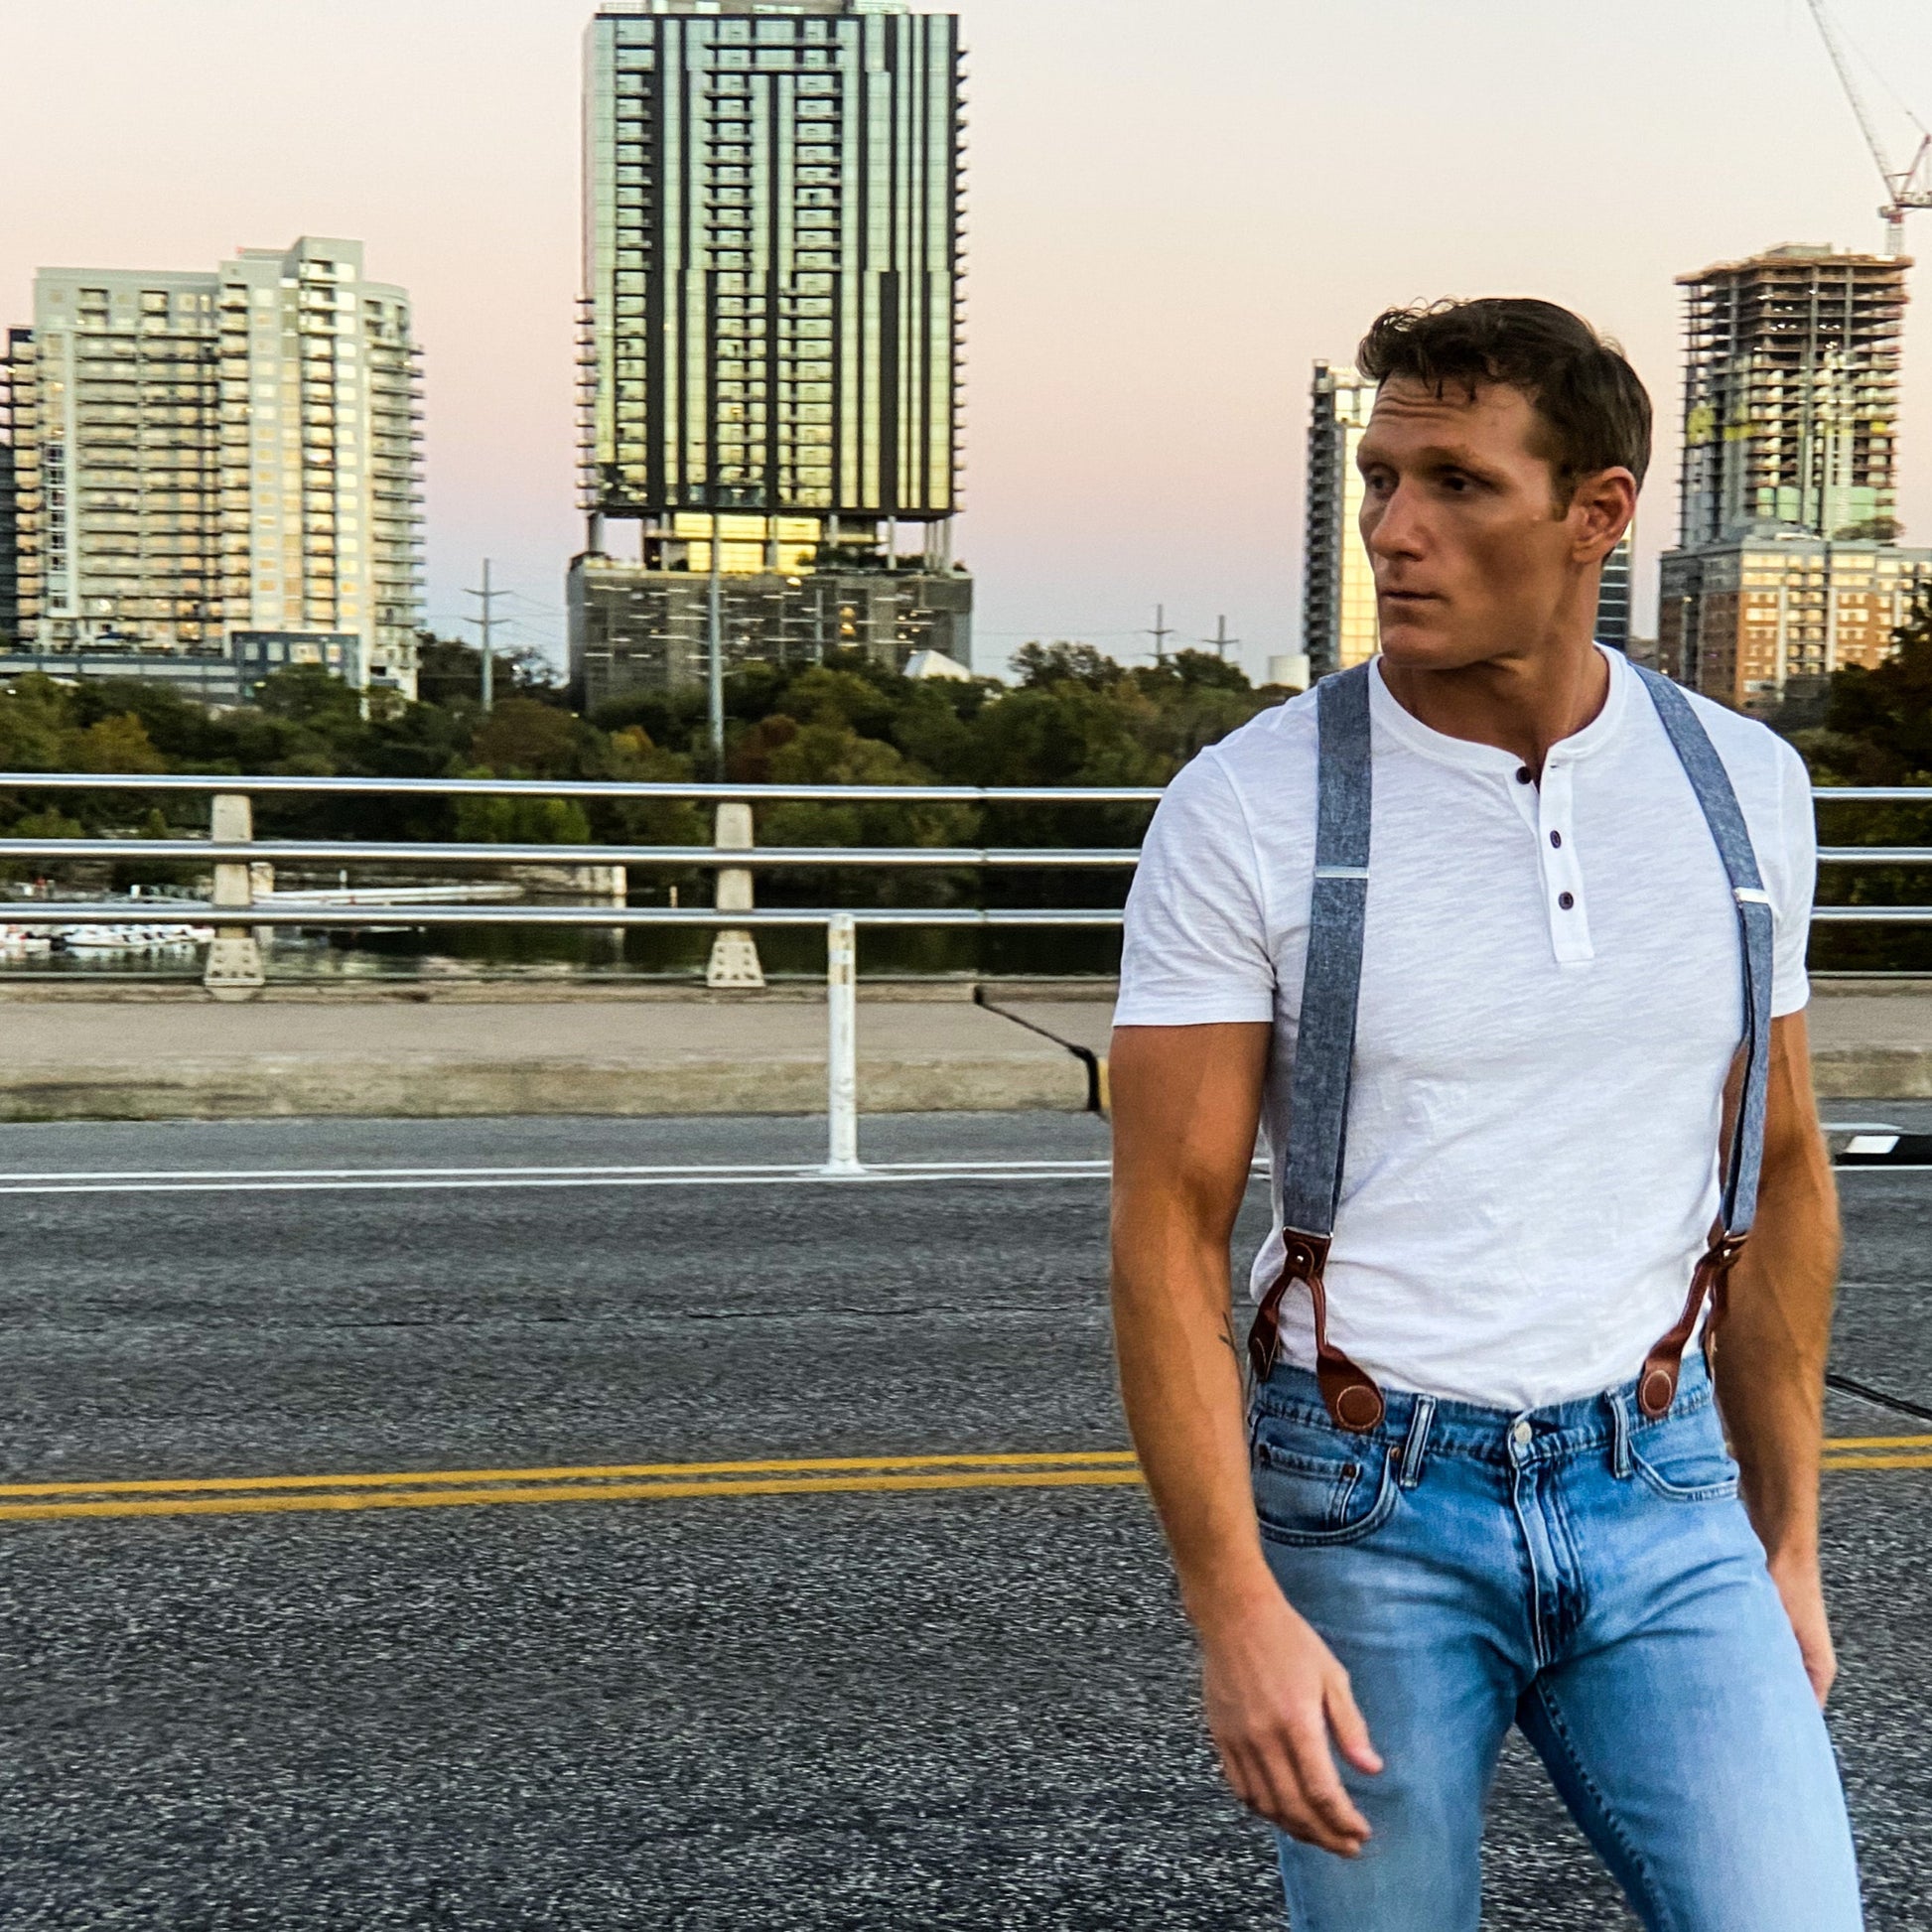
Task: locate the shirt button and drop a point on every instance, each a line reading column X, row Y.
column 1555, row 838
column 1523, row 775
column 1523, row 1433
column 1566, row 900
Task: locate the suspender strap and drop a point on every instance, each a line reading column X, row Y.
column 1326, row 1045
column 1744, row 1156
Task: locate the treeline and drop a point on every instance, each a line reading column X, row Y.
column 1073, row 718
column 1874, row 728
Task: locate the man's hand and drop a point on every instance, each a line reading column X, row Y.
column 1804, row 1603
column 1275, row 1695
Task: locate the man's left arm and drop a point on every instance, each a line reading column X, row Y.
column 1771, row 1351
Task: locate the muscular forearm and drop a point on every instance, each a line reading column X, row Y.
column 1772, row 1347
column 1180, row 1380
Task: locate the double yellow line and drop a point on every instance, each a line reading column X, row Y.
column 40, row 1502
column 1877, row 1452
column 631, row 1483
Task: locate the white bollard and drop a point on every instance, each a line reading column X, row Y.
column 234, row 959
column 842, row 1045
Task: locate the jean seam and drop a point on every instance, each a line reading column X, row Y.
column 1662, row 1917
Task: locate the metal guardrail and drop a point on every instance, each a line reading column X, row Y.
column 233, row 969
column 449, row 853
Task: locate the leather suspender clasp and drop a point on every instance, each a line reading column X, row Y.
column 1348, row 1391
column 1657, row 1385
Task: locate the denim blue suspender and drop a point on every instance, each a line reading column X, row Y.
column 1738, row 1204
column 1325, row 1040
column 1317, row 1094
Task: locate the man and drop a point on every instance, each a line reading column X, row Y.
column 1505, row 1497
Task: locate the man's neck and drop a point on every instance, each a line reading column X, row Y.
column 1522, row 704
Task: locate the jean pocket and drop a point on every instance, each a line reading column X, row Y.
column 1307, row 1495
column 1686, row 1461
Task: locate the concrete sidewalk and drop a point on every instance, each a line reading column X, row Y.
column 670, row 1051
column 182, row 1059
column 1868, row 1038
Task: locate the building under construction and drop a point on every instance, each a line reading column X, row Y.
column 1787, row 566
column 1791, row 395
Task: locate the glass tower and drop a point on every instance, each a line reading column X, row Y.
column 769, row 326
column 1613, row 594
column 1338, row 621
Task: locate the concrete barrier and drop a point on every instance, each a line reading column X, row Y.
column 182, row 1060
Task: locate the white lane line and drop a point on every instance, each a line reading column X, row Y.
column 613, row 1169
column 367, row 1180
column 310, row 1180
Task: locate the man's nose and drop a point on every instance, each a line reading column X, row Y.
column 1394, row 527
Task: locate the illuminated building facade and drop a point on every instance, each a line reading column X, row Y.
column 1338, row 622
column 770, row 330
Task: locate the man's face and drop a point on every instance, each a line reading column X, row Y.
column 1474, row 559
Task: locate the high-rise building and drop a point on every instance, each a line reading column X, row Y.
column 1787, row 566
column 218, row 472
column 1613, row 594
column 1791, row 395
column 770, row 334
column 1338, row 623
column 9, row 503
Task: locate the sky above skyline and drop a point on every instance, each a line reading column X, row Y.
column 1171, row 212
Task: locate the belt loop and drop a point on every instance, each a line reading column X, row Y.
column 1620, row 1436
column 1416, row 1442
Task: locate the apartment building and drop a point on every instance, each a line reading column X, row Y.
column 769, row 334
column 218, row 472
column 1745, row 620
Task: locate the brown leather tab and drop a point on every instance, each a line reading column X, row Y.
column 1657, row 1382
column 1354, row 1400
column 1348, row 1392
column 1265, row 1334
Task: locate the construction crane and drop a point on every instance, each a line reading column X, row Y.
column 1905, row 188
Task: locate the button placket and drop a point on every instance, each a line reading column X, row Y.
column 1565, row 904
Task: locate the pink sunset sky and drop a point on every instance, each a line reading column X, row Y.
column 1173, row 210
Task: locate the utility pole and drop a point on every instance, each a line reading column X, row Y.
column 1220, row 639
column 1161, row 632
column 485, row 622
column 715, row 646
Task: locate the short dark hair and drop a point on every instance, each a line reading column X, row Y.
column 1594, row 408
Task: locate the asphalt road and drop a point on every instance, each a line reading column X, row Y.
column 968, row 1707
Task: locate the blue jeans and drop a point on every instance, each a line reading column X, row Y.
column 1587, row 1575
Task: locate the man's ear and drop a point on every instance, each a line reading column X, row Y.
column 1600, row 509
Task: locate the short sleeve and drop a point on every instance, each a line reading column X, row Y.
column 1196, row 952
column 1793, row 885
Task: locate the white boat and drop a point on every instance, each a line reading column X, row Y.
column 145, row 938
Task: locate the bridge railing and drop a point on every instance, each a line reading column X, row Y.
column 233, row 968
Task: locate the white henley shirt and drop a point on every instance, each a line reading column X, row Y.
column 1549, row 1001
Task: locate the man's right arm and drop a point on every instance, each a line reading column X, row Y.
column 1186, row 1102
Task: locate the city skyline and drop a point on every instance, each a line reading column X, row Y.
column 1163, row 238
